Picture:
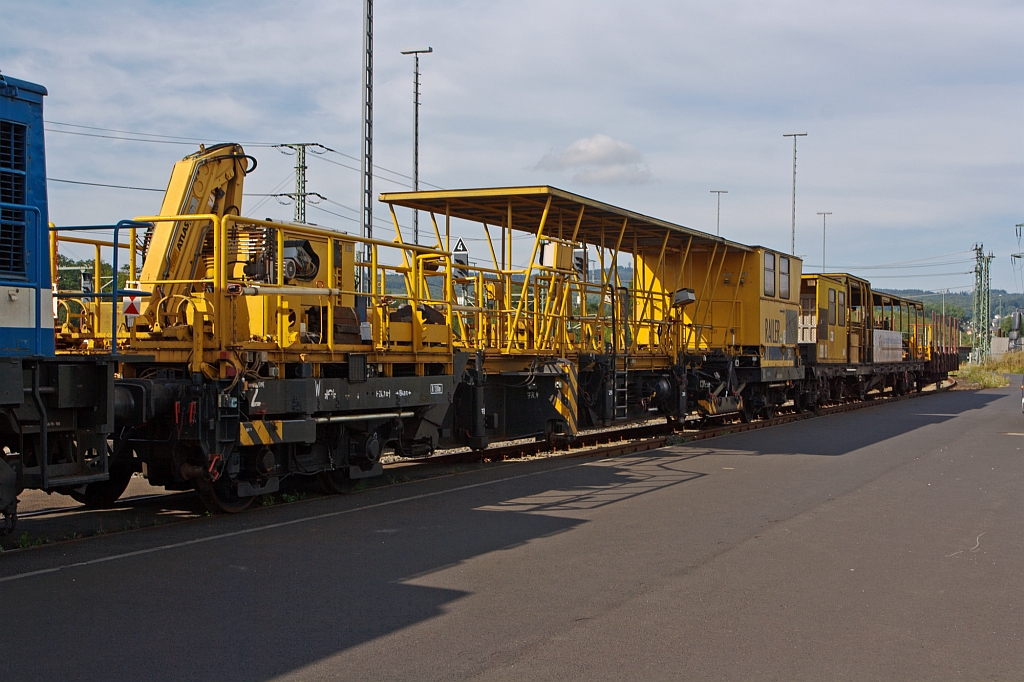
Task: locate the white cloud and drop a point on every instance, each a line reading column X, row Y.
column 602, row 160
column 599, row 150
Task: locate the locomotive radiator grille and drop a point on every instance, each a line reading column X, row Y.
column 12, row 191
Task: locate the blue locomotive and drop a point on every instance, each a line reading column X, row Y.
column 56, row 412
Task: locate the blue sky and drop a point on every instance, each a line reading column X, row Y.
column 913, row 109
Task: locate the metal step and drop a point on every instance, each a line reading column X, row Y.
column 621, row 402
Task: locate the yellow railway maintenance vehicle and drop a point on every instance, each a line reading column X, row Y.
column 854, row 340
column 248, row 354
column 249, row 351
column 703, row 324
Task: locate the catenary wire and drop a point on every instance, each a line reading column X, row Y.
column 922, row 275
column 100, row 184
column 177, row 139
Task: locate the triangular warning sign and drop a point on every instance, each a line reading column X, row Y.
column 460, row 246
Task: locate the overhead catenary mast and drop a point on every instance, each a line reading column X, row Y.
column 981, row 339
column 300, row 194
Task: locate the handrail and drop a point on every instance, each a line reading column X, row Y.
column 91, row 242
column 223, row 274
column 115, row 291
column 316, row 231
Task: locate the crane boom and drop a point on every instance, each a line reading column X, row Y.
column 206, row 182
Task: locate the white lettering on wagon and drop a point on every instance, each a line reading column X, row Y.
column 256, row 391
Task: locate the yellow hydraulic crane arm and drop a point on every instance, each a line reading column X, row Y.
column 207, row 182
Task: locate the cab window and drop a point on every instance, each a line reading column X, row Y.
column 842, row 308
column 769, row 274
column 832, row 306
column 783, row 277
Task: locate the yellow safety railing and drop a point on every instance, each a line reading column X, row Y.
column 223, row 308
column 417, row 302
column 557, row 313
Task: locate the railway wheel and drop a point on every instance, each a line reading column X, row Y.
column 337, row 481
column 104, row 494
column 221, row 496
column 747, row 412
column 862, row 392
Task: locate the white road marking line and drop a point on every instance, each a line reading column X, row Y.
column 282, row 524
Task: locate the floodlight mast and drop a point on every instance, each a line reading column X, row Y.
column 823, row 214
column 416, row 133
column 718, row 222
column 792, row 247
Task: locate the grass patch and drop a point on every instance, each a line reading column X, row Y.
column 990, row 374
column 1010, row 363
column 976, row 376
column 26, row 541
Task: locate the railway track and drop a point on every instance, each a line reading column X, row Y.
column 148, row 510
column 629, row 439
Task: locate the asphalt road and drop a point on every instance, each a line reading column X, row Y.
column 886, row 543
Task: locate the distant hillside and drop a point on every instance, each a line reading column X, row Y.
column 961, row 304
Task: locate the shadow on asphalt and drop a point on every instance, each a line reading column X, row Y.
column 841, row 434
column 257, row 605
column 64, row 521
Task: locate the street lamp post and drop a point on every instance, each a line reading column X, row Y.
column 823, row 214
column 416, row 133
column 718, row 222
column 792, row 247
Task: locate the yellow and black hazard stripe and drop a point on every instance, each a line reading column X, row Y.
column 260, row 432
column 710, row 407
column 566, row 403
column 272, row 431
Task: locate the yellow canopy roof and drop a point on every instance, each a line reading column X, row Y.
column 526, row 206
